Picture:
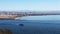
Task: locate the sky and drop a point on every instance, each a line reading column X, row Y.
column 29, row 5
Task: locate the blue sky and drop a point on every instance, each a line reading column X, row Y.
column 29, row 4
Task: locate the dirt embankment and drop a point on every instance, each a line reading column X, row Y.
column 7, row 17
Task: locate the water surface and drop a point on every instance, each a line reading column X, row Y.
column 37, row 24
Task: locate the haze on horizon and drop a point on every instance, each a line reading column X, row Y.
column 39, row 5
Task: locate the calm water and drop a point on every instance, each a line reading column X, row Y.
column 33, row 25
column 47, row 17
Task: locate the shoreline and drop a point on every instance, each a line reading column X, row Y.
column 8, row 17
